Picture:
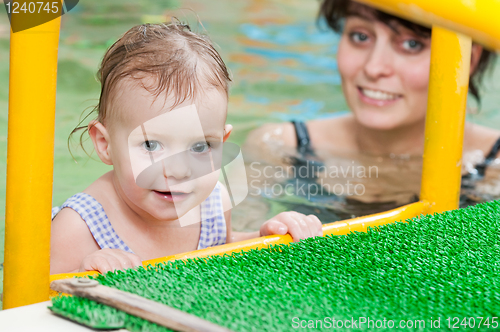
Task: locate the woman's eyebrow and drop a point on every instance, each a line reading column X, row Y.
column 361, row 16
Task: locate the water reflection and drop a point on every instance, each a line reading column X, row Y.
column 343, row 185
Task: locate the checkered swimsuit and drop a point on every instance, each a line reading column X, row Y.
column 213, row 224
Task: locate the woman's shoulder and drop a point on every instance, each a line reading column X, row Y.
column 282, row 132
column 320, row 131
column 478, row 137
column 336, row 133
column 270, row 142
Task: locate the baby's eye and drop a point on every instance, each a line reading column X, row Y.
column 358, row 37
column 151, row 146
column 412, row 45
column 200, row 147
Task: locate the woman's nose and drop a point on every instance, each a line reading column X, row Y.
column 177, row 166
column 380, row 62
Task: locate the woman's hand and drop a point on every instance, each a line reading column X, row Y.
column 106, row 260
column 298, row 225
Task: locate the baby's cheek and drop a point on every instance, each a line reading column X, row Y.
column 138, row 163
column 207, row 182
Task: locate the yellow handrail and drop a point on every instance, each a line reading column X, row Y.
column 448, row 84
column 360, row 224
column 30, row 160
column 445, row 120
column 477, row 19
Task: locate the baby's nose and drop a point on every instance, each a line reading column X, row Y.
column 177, row 166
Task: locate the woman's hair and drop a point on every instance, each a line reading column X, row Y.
column 181, row 63
column 335, row 11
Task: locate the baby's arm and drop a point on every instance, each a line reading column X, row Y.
column 73, row 248
column 298, row 225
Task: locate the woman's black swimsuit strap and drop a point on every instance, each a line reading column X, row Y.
column 494, row 152
column 481, row 168
column 304, row 146
column 303, row 140
column 305, row 153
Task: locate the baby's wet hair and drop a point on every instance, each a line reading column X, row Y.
column 181, row 63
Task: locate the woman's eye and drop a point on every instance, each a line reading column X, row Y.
column 200, row 147
column 151, row 146
column 358, row 37
column 412, row 45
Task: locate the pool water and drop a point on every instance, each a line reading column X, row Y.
column 344, row 185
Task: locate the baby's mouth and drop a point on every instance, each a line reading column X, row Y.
column 173, row 196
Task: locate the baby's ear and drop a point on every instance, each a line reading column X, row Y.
column 100, row 138
column 227, row 131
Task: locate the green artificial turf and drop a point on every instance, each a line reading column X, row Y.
column 433, row 267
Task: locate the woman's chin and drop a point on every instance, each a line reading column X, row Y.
column 378, row 121
column 381, row 126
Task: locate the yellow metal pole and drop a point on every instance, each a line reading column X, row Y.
column 444, row 127
column 475, row 18
column 30, row 159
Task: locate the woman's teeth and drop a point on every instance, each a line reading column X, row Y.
column 379, row 95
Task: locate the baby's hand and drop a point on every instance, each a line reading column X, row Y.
column 298, row 225
column 106, row 260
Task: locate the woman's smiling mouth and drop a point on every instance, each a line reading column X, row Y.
column 378, row 97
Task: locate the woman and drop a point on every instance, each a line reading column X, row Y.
column 384, row 65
